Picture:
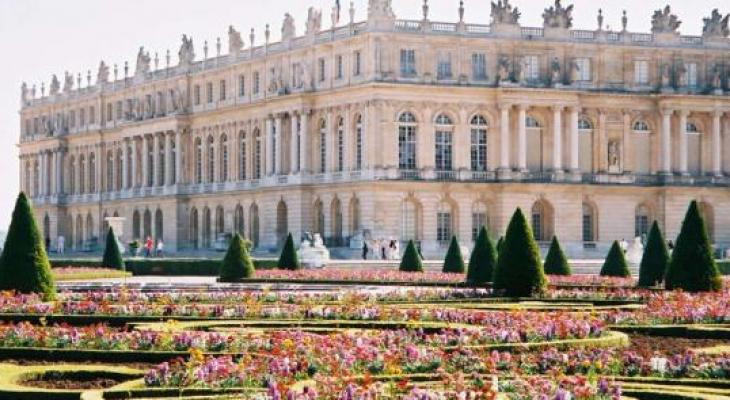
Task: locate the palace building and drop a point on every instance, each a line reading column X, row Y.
column 390, row 128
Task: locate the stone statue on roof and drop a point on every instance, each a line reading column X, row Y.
column 143, row 62
column 55, row 85
column 314, row 21
column 558, row 16
column 663, row 21
column 235, row 43
column 503, row 13
column 187, row 51
column 288, row 28
column 716, row 26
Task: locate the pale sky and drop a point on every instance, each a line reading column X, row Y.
column 41, row 37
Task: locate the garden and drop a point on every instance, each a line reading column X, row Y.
column 503, row 324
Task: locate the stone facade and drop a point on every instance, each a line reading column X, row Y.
column 391, row 128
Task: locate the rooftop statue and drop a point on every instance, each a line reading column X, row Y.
column 187, row 52
column 503, row 13
column 558, row 16
column 663, row 21
column 380, row 9
column 235, row 43
column 55, row 86
column 102, row 76
column 288, row 28
column 143, row 62
column 716, row 25
column 68, row 82
column 314, row 21
column 23, row 94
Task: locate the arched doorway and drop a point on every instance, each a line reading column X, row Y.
column 336, row 215
column 79, row 232
column 355, row 216
column 318, row 214
column 282, row 222
column 253, row 219
column 159, row 226
column 206, row 228
column 238, row 221
column 542, row 221
column 194, row 229
column 136, row 225
column 147, row 224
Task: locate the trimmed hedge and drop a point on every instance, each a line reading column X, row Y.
column 237, row 263
column 454, row 261
column 655, row 260
column 724, row 267
column 556, row 263
column 616, row 264
column 164, row 266
column 519, row 271
column 289, row 258
column 112, row 258
column 483, row 259
column 411, row 261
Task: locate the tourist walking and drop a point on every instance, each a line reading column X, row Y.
column 365, row 250
column 382, row 249
column 148, row 246
column 160, row 248
column 61, row 245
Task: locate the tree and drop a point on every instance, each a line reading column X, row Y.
column 24, row 265
column 655, row 260
column 483, row 259
column 693, row 266
column 500, row 244
column 289, row 258
column 454, row 261
column 556, row 263
column 112, row 257
column 411, row 261
column 237, row 263
column 519, row 271
column 615, row 263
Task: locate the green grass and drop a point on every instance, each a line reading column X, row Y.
column 92, row 274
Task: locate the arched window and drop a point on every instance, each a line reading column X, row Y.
column 211, row 160
column 150, row 154
column 92, row 173
column 322, row 146
column 109, row 171
column 443, row 140
column 358, row 142
column 242, row 156
column 411, row 224
column 36, row 178
column 257, row 155
column 159, row 226
column 238, row 221
column 82, row 175
column 147, row 224
column 479, row 143
column 79, row 232
column 589, row 223
column 584, row 124
column 47, row 229
column 531, row 122
column 220, row 225
column 444, row 223
column 641, row 222
column 318, row 223
column 224, row 159
column 407, row 141
column 641, row 126
column 194, row 230
column 354, row 215
column 282, row 222
column 692, row 128
column 27, row 186
column 340, row 144
column 90, row 233
column 253, row 220
column 136, row 225
column 173, row 161
column 542, row 221
column 120, row 172
column 206, row 228
column 71, row 176
column 478, row 219
column 336, row 220
column 198, row 161
column 160, row 178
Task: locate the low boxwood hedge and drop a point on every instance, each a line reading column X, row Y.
column 724, row 267
column 163, row 266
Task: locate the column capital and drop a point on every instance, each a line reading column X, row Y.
column 557, row 108
column 718, row 113
column 505, row 106
column 684, row 113
column 523, row 107
column 666, row 112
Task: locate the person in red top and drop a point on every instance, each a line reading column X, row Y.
column 148, row 246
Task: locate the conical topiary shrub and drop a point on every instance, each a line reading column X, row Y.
column 454, row 261
column 24, row 265
column 483, row 260
column 615, row 264
column 237, row 263
column 289, row 258
column 655, row 259
column 411, row 261
column 500, row 244
column 112, row 257
column 556, row 263
column 693, row 266
column 519, row 271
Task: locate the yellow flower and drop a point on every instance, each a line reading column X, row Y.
column 288, row 344
column 196, row 354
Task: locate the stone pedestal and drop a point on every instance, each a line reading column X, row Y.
column 313, row 254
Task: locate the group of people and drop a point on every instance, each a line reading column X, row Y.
column 152, row 249
column 380, row 249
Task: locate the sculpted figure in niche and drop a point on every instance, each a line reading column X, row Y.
column 55, row 85
column 716, row 77
column 681, row 75
column 380, row 9
column 614, row 155
column 558, row 16
column 716, row 25
column 288, row 28
column 102, row 76
column 503, row 73
column 555, row 71
column 522, row 73
column 502, row 13
column 235, row 43
column 574, row 72
column 665, row 76
column 663, row 21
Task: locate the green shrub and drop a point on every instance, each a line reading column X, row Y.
column 519, row 271
column 500, row 244
column 237, row 263
column 483, row 260
column 24, row 265
column 289, row 258
column 655, row 260
column 411, row 261
column 724, row 267
column 556, row 263
column 164, row 266
column 615, row 264
column 693, row 267
column 454, row 261
column 112, row 257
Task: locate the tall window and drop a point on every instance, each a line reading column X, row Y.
column 109, row 114
column 242, row 157
column 222, row 89
column 443, row 143
column 196, row 94
column 339, row 66
column 161, row 159
column 358, row 143
column 641, row 72
column 322, row 146
column 408, row 62
column 340, row 145
column 532, row 68
column 198, row 161
column 407, row 141
column 256, row 83
column 641, row 222
column 120, row 110
column 584, row 69
column 690, row 74
column 357, row 65
column 241, row 85
column 478, row 220
column 224, row 159
column 92, row 115
column 257, row 155
column 109, row 171
column 209, row 92
column 588, row 224
column 478, row 144
column 409, row 227
column 479, row 66
column 82, row 118
column 443, row 225
column 211, row 159
column 322, row 70
column 92, row 173
column 444, row 66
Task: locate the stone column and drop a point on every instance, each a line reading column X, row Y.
column 293, row 145
column 716, row 144
column 77, row 173
column 178, row 157
column 133, row 181
column 125, row 157
column 59, row 172
column 574, row 141
column 557, row 139
column 329, row 141
column 266, row 152
column 42, row 175
column 683, row 142
column 168, row 159
column 277, row 152
column 145, row 161
column 504, row 164
column 522, row 138
column 347, row 132
column 666, row 156
column 156, row 160
column 304, row 140
column 100, row 150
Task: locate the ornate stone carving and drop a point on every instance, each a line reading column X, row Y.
column 503, row 13
column 503, row 72
column 314, row 21
column 55, row 85
column 663, row 21
column 143, row 62
column 716, row 26
column 288, row 29
column 574, row 72
column 235, row 43
column 558, row 16
column 68, row 82
column 380, row 9
column 666, row 76
column 614, row 156
column 717, row 79
column 187, row 51
column 102, row 75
